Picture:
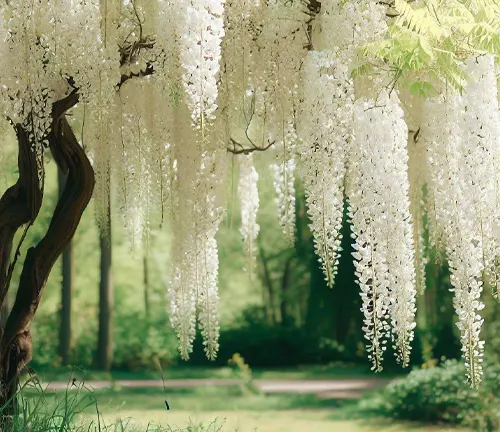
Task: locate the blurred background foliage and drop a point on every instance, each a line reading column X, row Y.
column 284, row 315
column 282, row 321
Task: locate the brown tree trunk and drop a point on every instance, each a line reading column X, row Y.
column 106, row 300
column 285, row 282
column 66, row 291
column 268, row 284
column 4, row 312
column 20, row 205
column 147, row 306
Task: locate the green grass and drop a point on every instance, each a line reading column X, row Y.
column 239, row 410
column 209, row 399
column 282, row 421
column 204, row 399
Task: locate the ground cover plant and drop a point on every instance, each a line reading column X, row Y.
column 79, row 409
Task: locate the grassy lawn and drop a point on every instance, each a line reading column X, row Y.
column 236, row 409
column 278, row 421
column 208, row 399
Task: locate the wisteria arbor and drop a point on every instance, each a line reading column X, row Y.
column 163, row 92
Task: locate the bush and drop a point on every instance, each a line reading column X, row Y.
column 440, row 394
column 137, row 343
column 44, row 333
column 264, row 345
column 272, row 345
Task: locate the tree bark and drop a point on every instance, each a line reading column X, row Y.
column 106, row 300
column 19, row 206
column 16, row 345
column 66, row 292
column 285, row 282
column 4, row 312
column 268, row 284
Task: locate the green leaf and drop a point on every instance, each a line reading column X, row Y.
column 362, row 69
column 422, row 88
column 426, row 47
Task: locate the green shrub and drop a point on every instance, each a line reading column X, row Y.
column 264, row 345
column 440, row 394
column 272, row 345
column 137, row 343
column 45, row 339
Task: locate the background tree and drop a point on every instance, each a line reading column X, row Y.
column 66, row 291
column 106, row 300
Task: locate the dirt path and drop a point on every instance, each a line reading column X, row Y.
column 345, row 388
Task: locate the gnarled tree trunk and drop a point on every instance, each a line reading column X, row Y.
column 19, row 206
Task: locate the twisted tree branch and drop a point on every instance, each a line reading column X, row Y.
column 238, row 148
column 16, row 348
column 19, row 205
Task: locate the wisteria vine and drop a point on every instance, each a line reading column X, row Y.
column 166, row 92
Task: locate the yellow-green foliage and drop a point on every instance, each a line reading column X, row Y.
column 244, row 372
column 427, row 41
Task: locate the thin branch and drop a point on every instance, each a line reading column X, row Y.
column 139, row 21
column 373, row 107
column 63, row 105
column 247, row 150
column 129, row 52
column 416, row 135
column 148, row 71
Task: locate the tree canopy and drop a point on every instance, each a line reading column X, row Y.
column 390, row 106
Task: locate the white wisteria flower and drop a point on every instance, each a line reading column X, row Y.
column 325, row 119
column 201, row 29
column 380, row 214
column 157, row 93
column 456, row 217
column 249, row 204
column 284, row 182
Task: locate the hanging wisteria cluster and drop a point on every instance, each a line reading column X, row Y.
column 168, row 91
column 380, row 213
column 461, row 135
column 324, row 133
column 249, row 200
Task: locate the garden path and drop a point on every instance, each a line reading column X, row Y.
column 328, row 389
